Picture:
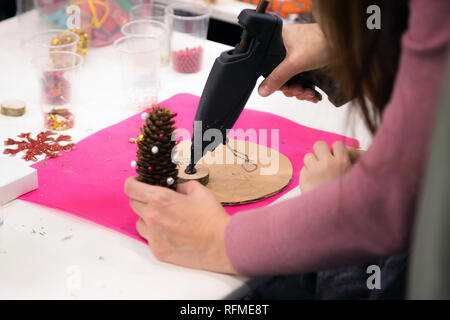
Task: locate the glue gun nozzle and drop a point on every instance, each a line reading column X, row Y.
column 190, row 169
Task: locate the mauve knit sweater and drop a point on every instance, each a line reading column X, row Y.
column 368, row 213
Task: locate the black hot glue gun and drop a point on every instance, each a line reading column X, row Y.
column 235, row 72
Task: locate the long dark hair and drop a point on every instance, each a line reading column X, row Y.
column 364, row 61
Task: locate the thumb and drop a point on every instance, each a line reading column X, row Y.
column 279, row 76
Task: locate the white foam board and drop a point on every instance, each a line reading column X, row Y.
column 16, row 179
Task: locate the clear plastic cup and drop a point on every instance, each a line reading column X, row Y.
column 140, row 59
column 52, row 40
column 150, row 28
column 58, row 79
column 150, row 11
column 188, row 25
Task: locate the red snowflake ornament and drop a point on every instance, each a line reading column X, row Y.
column 43, row 144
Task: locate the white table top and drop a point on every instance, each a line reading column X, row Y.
column 46, row 253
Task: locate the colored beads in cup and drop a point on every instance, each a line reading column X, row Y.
column 188, row 60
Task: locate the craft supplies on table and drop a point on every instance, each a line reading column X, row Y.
column 58, row 77
column 45, row 42
column 88, row 181
column 188, row 24
column 187, row 60
column 140, row 60
column 13, row 108
column 152, row 11
column 16, row 179
column 53, row 12
column 100, row 19
column 44, row 144
column 284, row 8
column 84, row 42
column 151, row 28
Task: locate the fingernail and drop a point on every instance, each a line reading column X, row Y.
column 311, row 95
column 264, row 91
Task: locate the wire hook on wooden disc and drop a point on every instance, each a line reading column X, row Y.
column 245, row 157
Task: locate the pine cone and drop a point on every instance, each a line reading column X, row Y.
column 154, row 156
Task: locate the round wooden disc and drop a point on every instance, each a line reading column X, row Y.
column 202, row 174
column 235, row 181
column 12, row 108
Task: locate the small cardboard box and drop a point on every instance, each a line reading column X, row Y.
column 16, row 179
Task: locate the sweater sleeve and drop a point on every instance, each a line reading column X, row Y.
column 368, row 213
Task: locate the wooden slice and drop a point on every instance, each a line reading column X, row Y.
column 235, row 181
column 202, row 174
column 13, row 108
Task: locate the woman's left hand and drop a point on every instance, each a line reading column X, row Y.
column 185, row 228
column 326, row 164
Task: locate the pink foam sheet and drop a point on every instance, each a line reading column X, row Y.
column 89, row 181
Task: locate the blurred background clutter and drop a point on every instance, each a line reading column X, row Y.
column 112, row 14
column 140, row 43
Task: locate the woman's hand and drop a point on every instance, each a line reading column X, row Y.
column 306, row 50
column 185, row 227
column 325, row 165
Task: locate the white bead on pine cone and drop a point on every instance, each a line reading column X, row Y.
column 176, row 159
column 145, row 115
column 170, row 181
column 155, row 149
column 133, row 164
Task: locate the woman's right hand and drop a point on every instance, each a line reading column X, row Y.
column 306, row 50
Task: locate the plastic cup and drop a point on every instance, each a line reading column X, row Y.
column 53, row 40
column 140, row 62
column 58, row 78
column 150, row 28
column 188, row 25
column 150, row 11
